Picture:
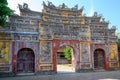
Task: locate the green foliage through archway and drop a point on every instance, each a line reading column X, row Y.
column 67, row 53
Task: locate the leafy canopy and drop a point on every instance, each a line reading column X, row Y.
column 4, row 12
column 67, row 52
column 119, row 41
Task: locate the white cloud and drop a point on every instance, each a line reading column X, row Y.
column 13, row 4
column 92, row 8
column 91, row 11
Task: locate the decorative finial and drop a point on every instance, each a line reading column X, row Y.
column 25, row 6
column 76, row 6
column 95, row 14
column 44, row 3
column 20, row 6
column 49, row 3
column 63, row 6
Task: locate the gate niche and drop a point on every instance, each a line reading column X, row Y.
column 99, row 59
column 25, row 60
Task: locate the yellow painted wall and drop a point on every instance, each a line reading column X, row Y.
column 4, row 54
column 44, row 18
column 64, row 13
column 80, row 14
column 113, row 51
column 83, row 21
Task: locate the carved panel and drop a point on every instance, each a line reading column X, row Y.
column 46, row 67
column 85, row 66
column 45, row 52
column 114, row 64
column 85, row 52
column 26, row 38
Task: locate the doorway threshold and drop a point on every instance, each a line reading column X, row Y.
column 65, row 72
column 99, row 70
column 25, row 74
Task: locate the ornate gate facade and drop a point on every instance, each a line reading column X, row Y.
column 33, row 41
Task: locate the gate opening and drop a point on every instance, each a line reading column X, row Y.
column 65, row 59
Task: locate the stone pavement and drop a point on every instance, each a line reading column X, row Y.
column 104, row 75
column 64, row 68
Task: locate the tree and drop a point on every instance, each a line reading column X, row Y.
column 67, row 52
column 118, row 41
column 4, row 12
column 118, row 35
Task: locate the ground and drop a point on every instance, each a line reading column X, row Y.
column 105, row 75
column 64, row 68
column 65, row 73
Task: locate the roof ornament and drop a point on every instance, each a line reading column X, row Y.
column 51, row 5
column 82, row 8
column 25, row 6
column 113, row 27
column 44, row 3
column 103, row 19
column 75, row 7
column 100, row 15
column 63, row 6
column 20, row 6
column 95, row 14
column 84, row 15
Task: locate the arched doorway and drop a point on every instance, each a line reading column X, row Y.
column 65, row 59
column 25, row 60
column 99, row 59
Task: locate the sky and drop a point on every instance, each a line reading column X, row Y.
column 108, row 8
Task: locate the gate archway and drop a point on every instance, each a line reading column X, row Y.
column 65, row 62
column 25, row 60
column 99, row 59
column 75, row 56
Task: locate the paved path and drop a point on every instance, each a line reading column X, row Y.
column 105, row 75
column 64, row 68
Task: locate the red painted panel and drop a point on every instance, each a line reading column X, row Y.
column 14, row 62
column 22, row 45
column 13, row 47
column 13, row 56
column 107, row 63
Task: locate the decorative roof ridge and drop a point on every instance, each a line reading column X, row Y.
column 62, row 7
column 24, row 7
